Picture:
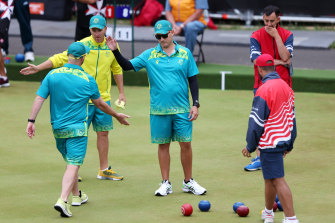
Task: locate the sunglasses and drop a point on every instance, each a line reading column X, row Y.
column 159, row 36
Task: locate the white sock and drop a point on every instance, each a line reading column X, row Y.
column 268, row 211
column 105, row 169
column 293, row 218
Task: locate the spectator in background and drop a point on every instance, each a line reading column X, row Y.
column 278, row 42
column 187, row 17
column 22, row 13
column 6, row 10
column 85, row 10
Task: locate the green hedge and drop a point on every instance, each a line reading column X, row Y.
column 242, row 78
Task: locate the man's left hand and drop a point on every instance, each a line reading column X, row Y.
column 194, row 113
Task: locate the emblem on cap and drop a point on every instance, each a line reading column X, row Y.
column 96, row 20
column 159, row 26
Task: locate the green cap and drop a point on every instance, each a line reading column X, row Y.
column 163, row 27
column 78, row 50
column 97, row 21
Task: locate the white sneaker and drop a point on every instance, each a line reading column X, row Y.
column 268, row 218
column 193, row 187
column 164, row 189
column 290, row 221
column 29, row 56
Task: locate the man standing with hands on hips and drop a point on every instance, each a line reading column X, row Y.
column 272, row 128
column 171, row 69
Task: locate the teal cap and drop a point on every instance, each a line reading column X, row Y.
column 78, row 50
column 163, row 27
column 97, row 21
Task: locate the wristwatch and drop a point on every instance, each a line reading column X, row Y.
column 182, row 25
column 196, row 104
column 31, row 120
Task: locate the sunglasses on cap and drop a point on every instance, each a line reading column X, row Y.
column 159, row 36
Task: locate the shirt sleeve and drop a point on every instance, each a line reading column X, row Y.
column 192, row 66
column 44, row 89
column 167, row 6
column 140, row 61
column 258, row 115
column 201, row 4
column 289, row 44
column 115, row 66
column 294, row 131
column 255, row 49
column 95, row 94
column 58, row 60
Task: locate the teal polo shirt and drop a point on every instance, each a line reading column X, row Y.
column 167, row 78
column 70, row 89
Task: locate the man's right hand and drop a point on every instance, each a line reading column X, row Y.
column 111, row 43
column 177, row 30
column 122, row 118
column 30, row 130
column 31, row 69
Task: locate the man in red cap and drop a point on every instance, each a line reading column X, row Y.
column 272, row 128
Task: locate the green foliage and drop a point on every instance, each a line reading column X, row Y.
column 31, row 170
column 332, row 46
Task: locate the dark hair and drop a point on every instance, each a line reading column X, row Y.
column 268, row 10
column 268, row 68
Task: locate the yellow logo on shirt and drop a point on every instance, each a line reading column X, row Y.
column 181, row 62
column 155, row 54
column 157, row 61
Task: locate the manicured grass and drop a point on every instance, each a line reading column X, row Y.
column 31, row 170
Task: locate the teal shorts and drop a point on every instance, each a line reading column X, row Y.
column 73, row 149
column 101, row 121
column 165, row 128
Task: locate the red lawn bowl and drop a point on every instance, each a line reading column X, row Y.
column 242, row 211
column 186, row 209
column 275, row 206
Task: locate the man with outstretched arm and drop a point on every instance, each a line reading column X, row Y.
column 171, row 69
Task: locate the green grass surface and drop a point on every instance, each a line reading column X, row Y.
column 31, row 170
